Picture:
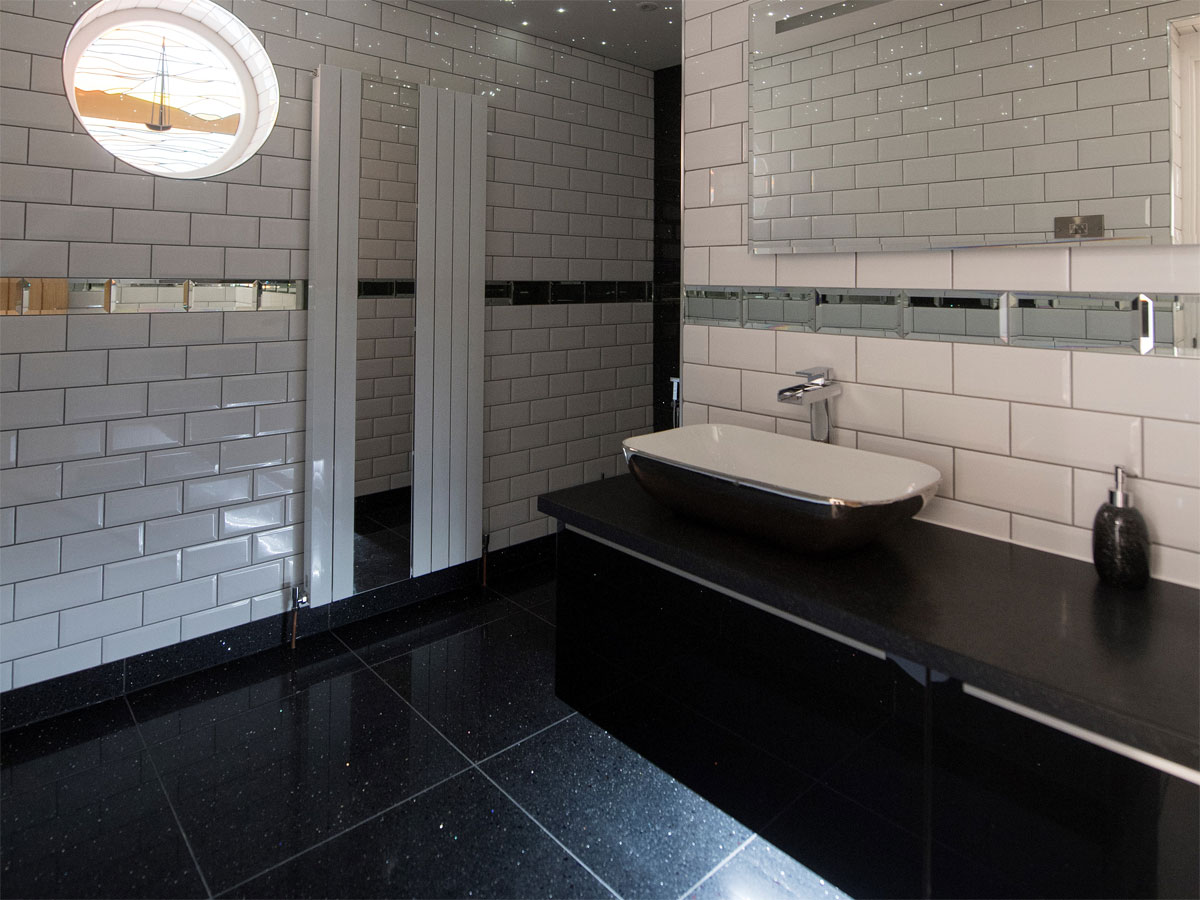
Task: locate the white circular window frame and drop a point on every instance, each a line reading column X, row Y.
column 221, row 30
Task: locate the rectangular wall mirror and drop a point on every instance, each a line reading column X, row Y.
column 916, row 124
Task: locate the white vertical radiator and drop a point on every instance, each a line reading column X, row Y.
column 448, row 414
column 332, row 327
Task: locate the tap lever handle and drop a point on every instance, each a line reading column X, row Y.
column 816, row 375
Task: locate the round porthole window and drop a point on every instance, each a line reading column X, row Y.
column 181, row 89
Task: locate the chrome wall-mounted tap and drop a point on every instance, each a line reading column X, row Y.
column 814, row 392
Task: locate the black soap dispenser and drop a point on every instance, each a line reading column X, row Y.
column 1120, row 541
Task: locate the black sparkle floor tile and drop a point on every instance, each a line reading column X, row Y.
column 638, row 829
column 181, row 706
column 485, row 688
column 256, row 788
column 748, row 783
column 547, row 611
column 394, row 633
column 83, row 814
column 764, row 872
column 380, row 557
column 461, row 838
column 527, row 588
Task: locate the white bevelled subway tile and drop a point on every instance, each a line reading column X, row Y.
column 139, row 504
column 797, row 351
column 250, row 517
column 1172, row 452
column 139, row 640
column 83, row 623
column 1174, row 565
column 141, row 574
column 148, row 364
column 10, row 373
column 33, row 334
column 280, row 356
column 221, row 556
column 1034, row 489
column 178, row 329
column 59, row 517
column 280, row 418
column 150, row 433
column 104, row 402
column 1076, row 438
column 181, row 531
column 270, row 604
column 1161, row 387
column 188, row 395
column 733, row 265
column 95, row 548
column 929, row 269
column 35, row 559
column 864, row 407
column 204, row 493
column 993, row 523
column 957, row 421
column 40, row 371
column 26, row 637
column 30, row 484
column 1141, row 269
column 63, row 661
column 1172, row 513
column 251, row 581
column 273, row 482
column 216, row 619
column 711, row 385
column 922, row 365
column 252, row 453
column 108, row 332
column 179, row 599
column 250, row 390
column 180, row 463
column 56, row 592
column 1053, row 537
column 1012, row 269
column 695, row 344
column 262, row 325
column 742, row 348
column 219, row 425
column 1013, row 373
column 220, row 359
column 280, row 542
column 109, row 473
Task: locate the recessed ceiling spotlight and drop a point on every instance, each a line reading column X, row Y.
column 561, row 9
column 647, row 6
column 526, row 24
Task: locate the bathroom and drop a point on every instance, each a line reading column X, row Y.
column 1025, row 438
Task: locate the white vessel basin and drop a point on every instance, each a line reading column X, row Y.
column 805, row 495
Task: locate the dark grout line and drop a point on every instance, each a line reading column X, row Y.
column 167, row 796
column 492, row 781
column 548, row 832
column 527, row 737
column 346, row 830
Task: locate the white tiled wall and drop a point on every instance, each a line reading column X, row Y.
column 151, row 487
column 565, row 384
column 384, row 405
column 569, row 162
column 1024, row 437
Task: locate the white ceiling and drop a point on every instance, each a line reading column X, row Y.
column 619, row 29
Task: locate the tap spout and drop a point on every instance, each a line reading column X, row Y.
column 814, row 392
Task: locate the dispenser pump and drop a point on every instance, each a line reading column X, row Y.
column 1117, row 495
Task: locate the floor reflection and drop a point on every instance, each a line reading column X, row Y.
column 382, row 538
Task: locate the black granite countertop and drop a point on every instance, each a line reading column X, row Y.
column 1038, row 629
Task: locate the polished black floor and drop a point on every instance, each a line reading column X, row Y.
column 422, row 753
column 382, row 538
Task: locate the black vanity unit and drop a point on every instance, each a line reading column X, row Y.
column 939, row 714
